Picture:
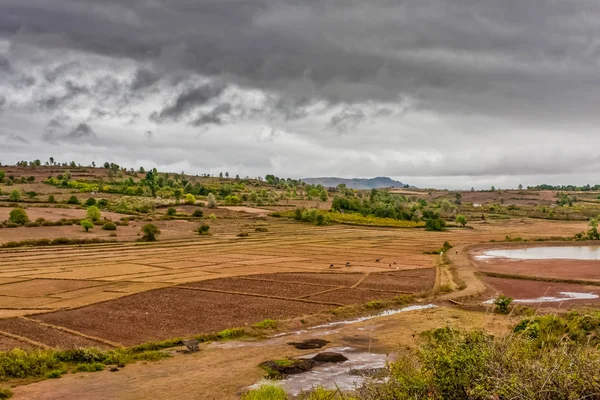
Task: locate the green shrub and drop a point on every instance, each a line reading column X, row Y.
column 51, row 199
column 203, row 229
column 198, row 213
column 14, row 195
column 374, row 305
column 90, row 202
column 150, row 232
column 87, row 225
column 266, row 324
column 55, row 373
column 93, row 367
column 190, row 199
column 73, row 200
column 232, row 333
column 18, row 216
column 5, row 393
column 93, row 213
column 265, row 392
column 171, row 211
column 102, row 203
column 503, row 304
column 109, row 226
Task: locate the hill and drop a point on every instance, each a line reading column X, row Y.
column 357, row 183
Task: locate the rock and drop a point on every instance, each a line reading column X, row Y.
column 114, row 369
column 309, row 344
column 287, row 366
column 330, row 357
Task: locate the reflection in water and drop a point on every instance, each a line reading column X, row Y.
column 345, row 376
column 546, row 253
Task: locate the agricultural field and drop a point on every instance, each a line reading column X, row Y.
column 276, row 256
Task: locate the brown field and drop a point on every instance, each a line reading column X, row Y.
column 523, row 289
column 556, row 269
column 126, row 292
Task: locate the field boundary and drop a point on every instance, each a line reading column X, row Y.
column 25, row 340
column 538, row 278
column 264, row 296
column 76, row 333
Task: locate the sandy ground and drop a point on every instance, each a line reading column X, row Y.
column 222, row 370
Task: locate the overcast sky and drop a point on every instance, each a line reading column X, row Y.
column 435, row 93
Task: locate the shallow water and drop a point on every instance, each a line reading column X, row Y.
column 360, row 319
column 333, row 375
column 564, row 296
column 546, row 253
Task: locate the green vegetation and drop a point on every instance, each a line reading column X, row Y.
column 266, row 392
column 212, row 201
column 87, row 225
column 109, row 226
column 73, row 200
column 503, row 304
column 5, row 393
column 461, row 220
column 203, row 229
column 190, row 199
column 18, row 216
column 266, row 324
column 151, row 232
column 171, row 212
column 93, row 214
column 14, row 195
column 198, row 213
column 53, row 242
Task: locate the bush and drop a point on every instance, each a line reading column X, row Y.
column 102, row 203
column 503, row 304
column 51, row 199
column 213, row 217
column 203, row 229
column 32, row 224
column 93, row 213
column 14, row 195
column 266, row 324
column 93, row 367
column 18, row 216
column 90, row 202
column 73, row 200
column 109, row 226
column 265, row 392
column 190, row 199
column 55, row 373
column 198, row 213
column 171, row 211
column 5, row 393
column 87, row 225
column 151, row 232
column 212, row 201
column 461, row 219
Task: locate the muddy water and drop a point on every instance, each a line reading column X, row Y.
column 546, row 253
column 563, row 296
column 334, row 375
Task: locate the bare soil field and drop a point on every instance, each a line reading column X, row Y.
column 46, row 335
column 556, row 269
column 413, row 281
column 352, row 296
column 524, row 289
column 278, row 289
column 171, row 312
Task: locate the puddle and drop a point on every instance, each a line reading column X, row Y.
column 565, row 296
column 545, row 253
column 360, row 319
column 346, row 375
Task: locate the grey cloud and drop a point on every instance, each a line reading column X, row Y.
column 143, row 79
column 81, row 131
column 215, row 116
column 348, row 118
column 188, row 101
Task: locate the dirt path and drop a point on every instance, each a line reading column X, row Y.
column 465, row 270
column 222, row 370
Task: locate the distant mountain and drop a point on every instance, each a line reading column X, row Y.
column 357, row 183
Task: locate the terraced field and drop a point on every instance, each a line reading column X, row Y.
column 125, row 293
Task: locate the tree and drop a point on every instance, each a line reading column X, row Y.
column 203, row 229
column 51, row 199
column 151, row 181
column 461, row 219
column 93, row 213
column 2, row 175
column 52, row 160
column 503, row 304
column 15, row 195
column 458, row 199
column 212, row 201
column 18, row 216
column 520, row 187
column 593, row 231
column 323, row 195
column 220, row 175
column 177, row 193
column 87, row 225
column 73, row 200
column 90, row 202
column 151, row 232
column 226, row 174
column 190, row 199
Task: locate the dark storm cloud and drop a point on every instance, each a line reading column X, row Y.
column 375, row 82
column 188, row 101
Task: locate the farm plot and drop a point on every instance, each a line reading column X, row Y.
column 277, row 289
column 348, row 296
column 556, row 269
column 46, row 335
column 533, row 293
column 171, row 312
column 412, row 281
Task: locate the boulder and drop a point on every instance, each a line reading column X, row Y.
column 330, row 357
